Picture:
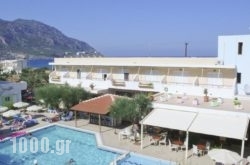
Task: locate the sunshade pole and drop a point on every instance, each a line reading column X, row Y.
column 242, row 148
column 99, row 122
column 75, row 120
column 187, row 137
column 141, row 136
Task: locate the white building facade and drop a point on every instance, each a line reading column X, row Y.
column 224, row 76
column 13, row 65
column 235, row 50
column 11, row 92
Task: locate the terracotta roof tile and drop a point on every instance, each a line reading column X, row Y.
column 97, row 105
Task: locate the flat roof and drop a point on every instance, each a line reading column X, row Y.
column 192, row 62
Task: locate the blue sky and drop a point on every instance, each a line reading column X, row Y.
column 139, row 27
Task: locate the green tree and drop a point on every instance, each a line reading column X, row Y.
column 35, row 77
column 53, row 95
column 122, row 108
column 71, row 96
column 144, row 105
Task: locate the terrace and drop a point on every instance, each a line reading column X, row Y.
column 197, row 102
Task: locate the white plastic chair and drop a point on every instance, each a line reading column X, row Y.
column 163, row 141
column 183, row 147
column 125, row 133
column 134, row 137
column 196, row 151
column 172, row 146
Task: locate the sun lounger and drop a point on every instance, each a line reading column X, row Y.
column 68, row 117
column 29, row 123
column 51, row 119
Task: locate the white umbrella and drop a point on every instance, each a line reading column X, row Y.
column 20, row 104
column 11, row 113
column 3, row 109
column 224, row 156
column 34, row 108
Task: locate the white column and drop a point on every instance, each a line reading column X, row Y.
column 242, row 148
column 75, row 120
column 142, row 136
column 186, row 154
column 99, row 123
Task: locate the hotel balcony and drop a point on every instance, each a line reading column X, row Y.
column 219, row 82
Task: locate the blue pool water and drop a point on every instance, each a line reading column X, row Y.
column 137, row 159
column 83, row 149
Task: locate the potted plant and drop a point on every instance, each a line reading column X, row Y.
column 237, row 103
column 206, row 98
column 91, row 86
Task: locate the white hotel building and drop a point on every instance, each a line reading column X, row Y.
column 178, row 84
column 224, row 76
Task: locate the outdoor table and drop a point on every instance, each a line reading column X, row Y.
column 177, row 142
column 156, row 138
column 202, row 148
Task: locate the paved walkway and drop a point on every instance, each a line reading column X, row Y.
column 111, row 139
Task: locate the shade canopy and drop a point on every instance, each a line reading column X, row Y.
column 97, row 105
column 11, row 113
column 173, row 119
column 20, row 104
column 34, row 108
column 224, row 125
column 3, row 109
column 218, row 124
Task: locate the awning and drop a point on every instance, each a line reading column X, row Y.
column 218, row 124
column 227, row 125
column 173, row 119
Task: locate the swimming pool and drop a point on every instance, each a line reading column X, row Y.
column 137, row 159
column 83, row 149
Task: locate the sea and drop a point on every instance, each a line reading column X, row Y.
column 39, row 63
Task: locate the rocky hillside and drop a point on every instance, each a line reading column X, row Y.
column 33, row 38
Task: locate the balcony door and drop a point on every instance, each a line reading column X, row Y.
column 126, row 76
column 78, row 74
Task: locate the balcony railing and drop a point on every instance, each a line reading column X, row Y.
column 146, row 85
column 118, row 83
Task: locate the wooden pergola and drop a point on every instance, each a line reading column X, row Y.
column 98, row 105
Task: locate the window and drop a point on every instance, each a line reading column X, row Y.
column 240, row 47
column 126, row 76
column 104, row 77
column 78, row 73
column 7, row 99
column 238, row 78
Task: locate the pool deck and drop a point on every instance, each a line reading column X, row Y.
column 110, row 139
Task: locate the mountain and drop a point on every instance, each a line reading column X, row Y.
column 36, row 39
